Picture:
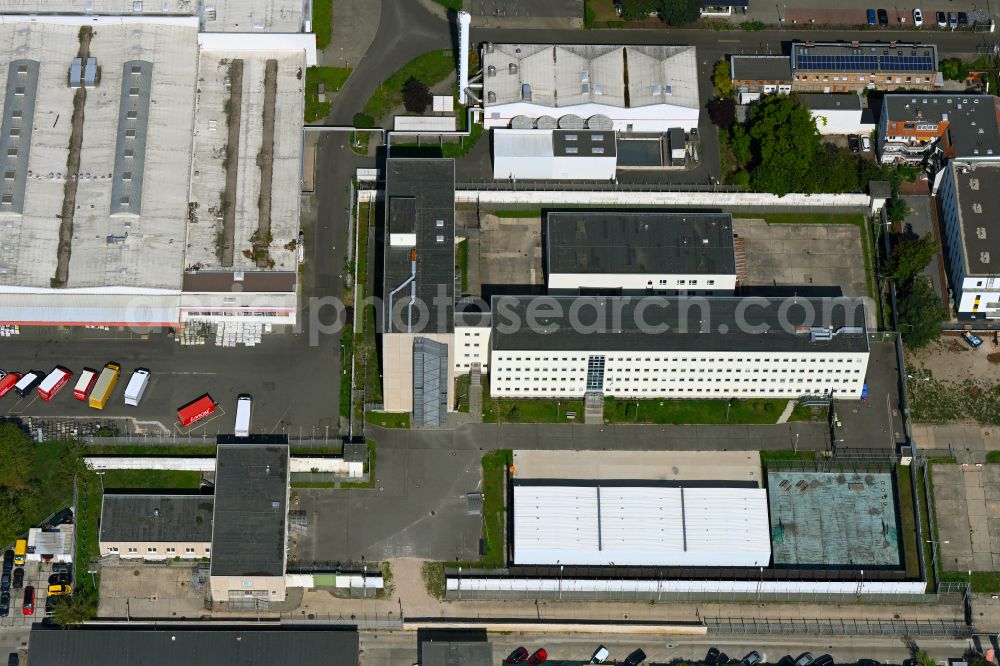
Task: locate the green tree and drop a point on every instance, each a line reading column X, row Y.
column 784, row 142
column 416, row 95
column 954, row 69
column 15, row 456
column 680, row 12
column 364, row 121
column 722, row 112
column 834, row 170
column 909, row 255
column 897, row 210
column 74, row 609
column 741, row 145
column 722, row 78
column 633, row 10
column 921, row 312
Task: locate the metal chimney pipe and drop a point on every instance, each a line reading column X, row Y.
column 464, row 22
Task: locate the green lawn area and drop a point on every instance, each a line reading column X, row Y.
column 87, row 518
column 923, row 504
column 530, row 411
column 527, row 212
column 800, row 413
column 908, row 528
column 982, row 581
column 152, row 450
column 333, row 78
column 494, row 487
column 465, row 144
column 799, row 456
column 389, row 419
column 322, row 22
column 692, row 411
column 993, row 457
column 152, row 478
column 453, row 5
column 431, row 68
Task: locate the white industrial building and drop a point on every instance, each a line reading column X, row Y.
column 638, row 88
column 842, row 113
column 669, row 347
column 607, row 524
column 537, row 154
column 167, row 184
column 641, row 252
column 969, row 196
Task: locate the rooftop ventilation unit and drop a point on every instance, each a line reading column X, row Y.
column 525, row 92
column 512, row 68
column 491, row 70
column 973, row 183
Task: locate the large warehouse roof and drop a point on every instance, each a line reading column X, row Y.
column 192, row 646
column 604, row 523
column 640, row 242
column 572, row 75
column 156, row 518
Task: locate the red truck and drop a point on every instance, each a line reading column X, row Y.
column 54, row 382
column 7, row 382
column 86, row 382
column 196, row 410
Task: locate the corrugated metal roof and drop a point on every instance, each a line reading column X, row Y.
column 619, row 523
column 82, row 309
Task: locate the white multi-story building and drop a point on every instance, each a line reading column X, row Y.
column 640, row 252
column 969, row 195
column 665, row 347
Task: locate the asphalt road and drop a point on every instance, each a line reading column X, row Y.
column 400, row 649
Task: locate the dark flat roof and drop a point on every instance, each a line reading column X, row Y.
column 640, row 242
column 695, row 324
column 447, row 653
column 253, row 281
column 978, row 194
column 157, row 518
column 425, row 188
column 192, row 646
column 972, row 119
column 830, row 101
column 584, row 143
column 761, row 68
column 251, row 504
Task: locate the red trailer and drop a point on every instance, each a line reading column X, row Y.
column 196, row 410
column 86, row 382
column 53, row 382
column 8, row 381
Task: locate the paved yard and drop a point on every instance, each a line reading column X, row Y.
column 967, row 506
column 510, row 254
column 143, row 590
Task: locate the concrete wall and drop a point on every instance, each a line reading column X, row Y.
column 334, row 465
column 162, row 549
column 570, row 585
column 641, row 375
column 632, row 198
column 841, row 121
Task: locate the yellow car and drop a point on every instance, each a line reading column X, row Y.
column 60, row 590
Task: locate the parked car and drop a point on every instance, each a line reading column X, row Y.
column 518, row 656
column 59, row 579
column 28, row 603
column 712, row 657
column 8, row 560
column 823, row 660
column 60, row 590
column 13, row 659
column 866, row 144
column 723, row 658
column 64, row 517
column 62, row 567
column 854, row 143
column 4, row 604
column 601, row 655
column 634, row 659
column 18, row 581
column 871, row 17
column 918, row 17
column 963, row 20
column 942, row 20
column 5, row 581
column 804, row 659
column 883, row 18
column 868, row 662
column 973, row 340
column 540, row 656
column 952, row 20
column 751, row 658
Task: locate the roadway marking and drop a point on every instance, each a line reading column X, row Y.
column 219, row 411
column 280, row 418
column 17, row 404
column 187, row 373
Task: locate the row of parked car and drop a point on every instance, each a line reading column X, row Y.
column 952, row 20
column 601, row 655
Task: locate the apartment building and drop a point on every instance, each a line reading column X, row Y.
column 969, row 196
column 755, row 75
column 156, row 527
column 670, row 347
column 945, row 126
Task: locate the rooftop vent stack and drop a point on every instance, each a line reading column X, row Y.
column 464, row 21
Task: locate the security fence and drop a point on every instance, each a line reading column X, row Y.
column 838, row 627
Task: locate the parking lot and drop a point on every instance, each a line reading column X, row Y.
column 36, row 575
column 294, row 385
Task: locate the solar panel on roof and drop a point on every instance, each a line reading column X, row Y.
column 865, row 63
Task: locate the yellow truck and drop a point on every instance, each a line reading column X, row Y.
column 20, row 552
column 105, row 384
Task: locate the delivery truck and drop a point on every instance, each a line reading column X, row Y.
column 54, row 382
column 105, row 384
column 244, row 409
column 196, row 410
column 86, row 382
column 28, row 382
column 136, row 386
column 8, row 381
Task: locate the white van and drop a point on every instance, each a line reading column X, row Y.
column 137, row 384
column 244, row 410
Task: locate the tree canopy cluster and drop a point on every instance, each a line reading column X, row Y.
column 920, row 309
column 671, row 12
